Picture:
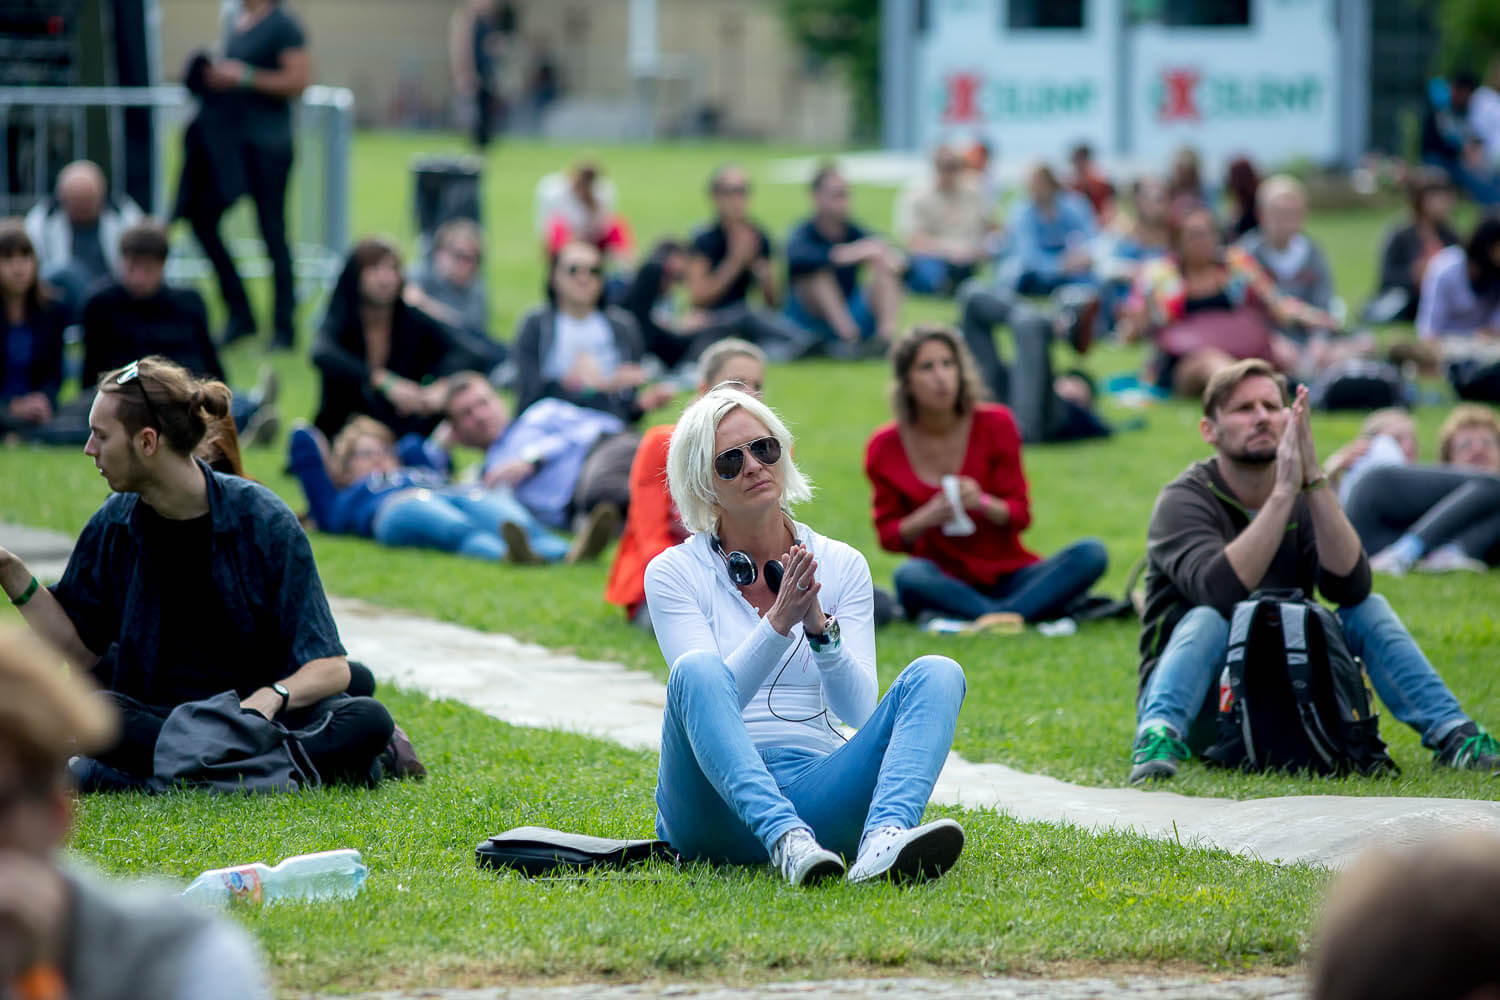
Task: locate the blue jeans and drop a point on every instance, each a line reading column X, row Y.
column 462, row 519
column 1038, row 592
column 935, row 276
column 1482, row 185
column 1189, row 666
column 720, row 798
column 859, row 311
column 1034, row 283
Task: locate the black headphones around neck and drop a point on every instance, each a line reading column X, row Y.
column 742, row 571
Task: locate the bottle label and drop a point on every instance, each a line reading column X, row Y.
column 243, row 884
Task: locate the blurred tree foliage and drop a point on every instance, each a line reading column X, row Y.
column 847, row 33
column 1470, row 31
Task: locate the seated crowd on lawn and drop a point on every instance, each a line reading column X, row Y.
column 409, row 368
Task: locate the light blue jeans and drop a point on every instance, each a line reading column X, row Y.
column 1398, row 670
column 720, row 798
column 462, row 519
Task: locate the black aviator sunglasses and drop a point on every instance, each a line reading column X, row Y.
column 729, row 464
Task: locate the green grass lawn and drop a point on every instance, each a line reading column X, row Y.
column 1024, row 895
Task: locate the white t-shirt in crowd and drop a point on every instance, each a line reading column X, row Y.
column 1285, row 264
column 1484, row 121
column 695, row 606
column 573, row 337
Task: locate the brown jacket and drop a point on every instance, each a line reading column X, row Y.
column 1195, row 518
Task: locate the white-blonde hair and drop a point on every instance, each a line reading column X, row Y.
column 690, row 457
column 1277, row 186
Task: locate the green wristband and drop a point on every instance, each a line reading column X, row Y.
column 26, row 594
column 247, row 78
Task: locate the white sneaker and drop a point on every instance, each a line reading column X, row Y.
column 802, row 861
column 904, row 855
column 1388, row 562
column 1450, row 559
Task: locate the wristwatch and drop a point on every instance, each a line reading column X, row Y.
column 286, row 696
column 830, row 637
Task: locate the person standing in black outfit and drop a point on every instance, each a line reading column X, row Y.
column 265, row 67
column 476, row 32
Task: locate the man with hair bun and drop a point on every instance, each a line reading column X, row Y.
column 188, row 583
column 65, row 932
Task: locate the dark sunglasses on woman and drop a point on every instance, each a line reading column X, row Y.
column 729, row 464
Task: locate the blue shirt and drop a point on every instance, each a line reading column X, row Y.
column 557, row 436
column 1039, row 243
column 352, row 510
column 262, row 569
column 20, row 350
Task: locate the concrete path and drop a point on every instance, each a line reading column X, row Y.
column 1134, row 987
column 531, row 686
column 528, row 685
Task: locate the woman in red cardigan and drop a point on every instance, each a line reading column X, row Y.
column 941, row 429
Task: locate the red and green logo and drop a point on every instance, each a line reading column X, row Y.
column 1187, row 94
column 969, row 97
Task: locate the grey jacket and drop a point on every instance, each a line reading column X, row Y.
column 215, row 743
column 136, row 943
column 532, row 344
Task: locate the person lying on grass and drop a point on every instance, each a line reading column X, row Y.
column 188, row 583
column 362, row 487
column 768, row 628
column 1432, row 518
column 1259, row 515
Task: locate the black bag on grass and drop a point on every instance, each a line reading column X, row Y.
column 539, row 850
column 1359, row 384
column 1291, row 697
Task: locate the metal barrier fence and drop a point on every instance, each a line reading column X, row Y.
column 49, row 126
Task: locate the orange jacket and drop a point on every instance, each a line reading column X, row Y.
column 651, row 525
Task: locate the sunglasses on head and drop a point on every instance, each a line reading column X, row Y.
column 132, row 373
column 592, row 270
column 729, row 464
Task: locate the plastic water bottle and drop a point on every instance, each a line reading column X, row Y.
column 309, row 877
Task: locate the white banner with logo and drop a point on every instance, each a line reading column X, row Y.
column 1031, row 93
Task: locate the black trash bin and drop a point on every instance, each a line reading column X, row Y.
column 446, row 187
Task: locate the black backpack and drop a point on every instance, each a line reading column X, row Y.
column 1358, row 384
column 1291, row 697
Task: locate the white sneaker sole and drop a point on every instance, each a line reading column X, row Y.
column 822, row 871
column 929, row 851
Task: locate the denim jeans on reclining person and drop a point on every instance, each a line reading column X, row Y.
column 1038, row 592
column 720, row 798
column 462, row 519
column 1399, row 671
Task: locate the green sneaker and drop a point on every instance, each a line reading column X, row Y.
column 1470, row 747
column 1155, row 755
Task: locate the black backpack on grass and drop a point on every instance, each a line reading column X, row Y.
column 1291, row 697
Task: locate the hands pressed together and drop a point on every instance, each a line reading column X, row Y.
column 797, row 600
column 1296, row 455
